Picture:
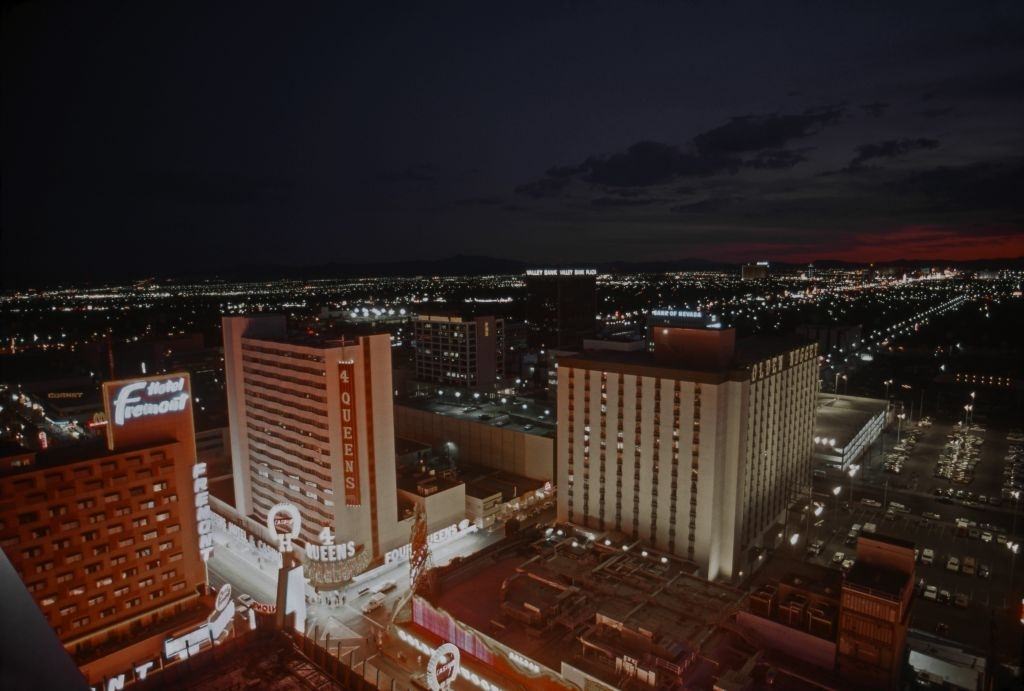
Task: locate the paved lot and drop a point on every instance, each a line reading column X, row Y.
column 990, row 621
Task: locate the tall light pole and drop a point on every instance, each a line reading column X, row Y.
column 835, row 492
column 887, row 383
column 899, row 425
column 1015, row 547
column 853, row 471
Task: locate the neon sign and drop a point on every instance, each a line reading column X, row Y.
column 349, row 441
column 327, row 550
column 128, row 405
column 683, row 314
column 284, row 521
column 443, row 667
column 561, row 272
column 452, row 532
column 204, row 515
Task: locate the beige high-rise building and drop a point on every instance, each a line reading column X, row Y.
column 312, row 425
column 696, row 448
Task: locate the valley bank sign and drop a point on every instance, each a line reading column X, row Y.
column 130, row 402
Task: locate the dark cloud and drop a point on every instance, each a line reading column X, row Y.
column 479, row 201
column 891, row 149
column 757, row 132
column 936, row 112
column 419, row 173
column 545, row 187
column 654, row 163
column 712, row 205
column 777, row 160
column 611, row 202
column 876, row 109
column 565, row 171
column 992, row 185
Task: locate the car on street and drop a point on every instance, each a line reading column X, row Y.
column 968, row 567
column 376, row 600
column 932, row 515
column 814, row 549
column 986, row 536
column 974, row 533
column 944, row 596
column 874, row 503
column 962, row 600
column 953, row 565
column 931, row 593
column 870, row 528
column 838, row 557
column 385, row 587
column 848, row 564
column 927, row 556
column 984, row 571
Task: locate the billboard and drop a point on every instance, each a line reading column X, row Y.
column 349, row 433
column 148, row 410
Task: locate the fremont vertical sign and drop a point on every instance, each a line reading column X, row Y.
column 349, row 440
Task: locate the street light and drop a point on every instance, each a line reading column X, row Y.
column 899, row 425
column 835, row 491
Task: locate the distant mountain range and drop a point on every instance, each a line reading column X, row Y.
column 478, row 265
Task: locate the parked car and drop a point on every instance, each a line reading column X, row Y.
column 870, row 527
column 986, row 536
column 848, row 564
column 931, row 593
column 814, row 549
column 927, row 556
column 984, row 571
column 962, row 600
column 932, row 515
column 953, row 565
column 838, row 557
column 968, row 567
column 874, row 503
column 944, row 596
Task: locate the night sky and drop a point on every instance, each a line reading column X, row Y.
column 200, row 137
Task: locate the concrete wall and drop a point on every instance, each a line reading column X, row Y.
column 530, row 455
column 443, row 508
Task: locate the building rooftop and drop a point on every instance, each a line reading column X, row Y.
column 544, row 599
column 843, row 417
column 748, row 351
column 91, row 449
column 877, row 579
column 536, row 418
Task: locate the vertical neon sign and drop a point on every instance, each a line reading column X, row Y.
column 349, row 440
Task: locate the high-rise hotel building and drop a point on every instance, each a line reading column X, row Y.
column 312, row 425
column 109, row 538
column 696, row 448
column 463, row 351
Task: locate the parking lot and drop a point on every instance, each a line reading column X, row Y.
column 990, row 619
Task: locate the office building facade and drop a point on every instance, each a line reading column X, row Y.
column 696, row 449
column 561, row 307
column 459, row 351
column 312, row 425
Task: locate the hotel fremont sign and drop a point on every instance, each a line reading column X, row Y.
column 149, row 398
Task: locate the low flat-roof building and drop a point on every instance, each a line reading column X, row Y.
column 517, row 436
column 574, row 609
column 845, row 427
